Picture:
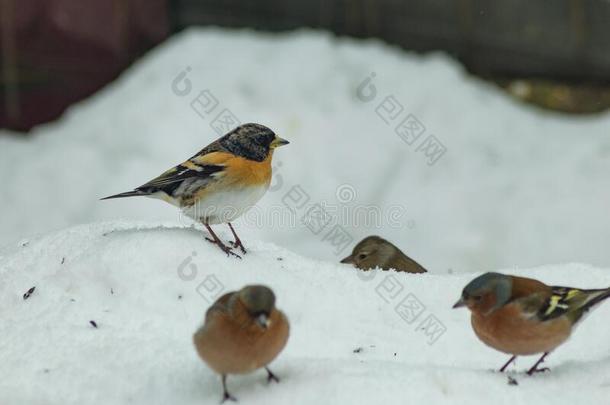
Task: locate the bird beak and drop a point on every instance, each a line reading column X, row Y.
column 348, row 260
column 278, row 142
column 263, row 321
column 461, row 303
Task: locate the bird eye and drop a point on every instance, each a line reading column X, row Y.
column 477, row 298
column 361, row 256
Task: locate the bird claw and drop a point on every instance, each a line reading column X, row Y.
column 223, row 247
column 228, row 397
column 238, row 245
column 538, row 370
column 228, row 251
column 272, row 377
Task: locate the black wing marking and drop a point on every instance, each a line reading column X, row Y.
column 572, row 302
column 557, row 304
column 171, row 180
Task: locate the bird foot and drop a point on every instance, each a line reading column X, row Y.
column 238, row 245
column 223, row 247
column 228, row 397
column 538, row 370
column 272, row 377
column 228, row 251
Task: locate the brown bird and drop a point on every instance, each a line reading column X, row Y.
column 522, row 316
column 374, row 251
column 243, row 331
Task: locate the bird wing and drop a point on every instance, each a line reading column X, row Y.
column 571, row 302
column 185, row 178
column 221, row 306
column 189, row 176
column 171, row 179
column 531, row 304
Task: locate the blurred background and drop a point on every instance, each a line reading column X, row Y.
column 555, row 54
column 100, row 96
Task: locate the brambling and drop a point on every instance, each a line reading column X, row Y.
column 221, row 182
column 242, row 332
column 374, row 251
column 521, row 316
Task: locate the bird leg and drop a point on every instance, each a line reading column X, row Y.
column 507, row 363
column 216, row 240
column 535, row 368
column 237, row 243
column 225, row 394
column 271, row 376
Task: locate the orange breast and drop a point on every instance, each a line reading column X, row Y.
column 241, row 171
column 508, row 331
column 230, row 346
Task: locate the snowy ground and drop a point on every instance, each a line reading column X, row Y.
column 516, row 186
column 147, row 292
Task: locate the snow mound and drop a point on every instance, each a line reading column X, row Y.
column 357, row 338
column 516, row 186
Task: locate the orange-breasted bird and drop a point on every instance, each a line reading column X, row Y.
column 221, row 182
column 242, row 332
column 522, row 316
column 374, row 251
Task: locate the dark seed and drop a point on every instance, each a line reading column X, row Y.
column 28, row 293
column 93, row 324
column 358, row 350
column 512, row 381
column 63, row 260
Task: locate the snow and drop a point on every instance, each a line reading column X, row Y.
column 516, row 186
column 135, row 280
column 516, row 189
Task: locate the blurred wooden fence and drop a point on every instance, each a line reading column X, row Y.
column 549, row 38
column 55, row 52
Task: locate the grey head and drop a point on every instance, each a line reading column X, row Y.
column 486, row 293
column 259, row 301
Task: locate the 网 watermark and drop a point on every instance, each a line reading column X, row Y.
column 406, row 305
column 406, row 125
column 327, row 220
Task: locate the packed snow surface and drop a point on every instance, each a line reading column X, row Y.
column 515, row 187
column 146, row 286
column 116, row 301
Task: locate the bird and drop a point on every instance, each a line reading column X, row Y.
column 374, row 251
column 522, row 316
column 221, row 182
column 243, row 331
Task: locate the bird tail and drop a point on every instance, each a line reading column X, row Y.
column 572, row 302
column 135, row 193
column 585, row 300
column 595, row 297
